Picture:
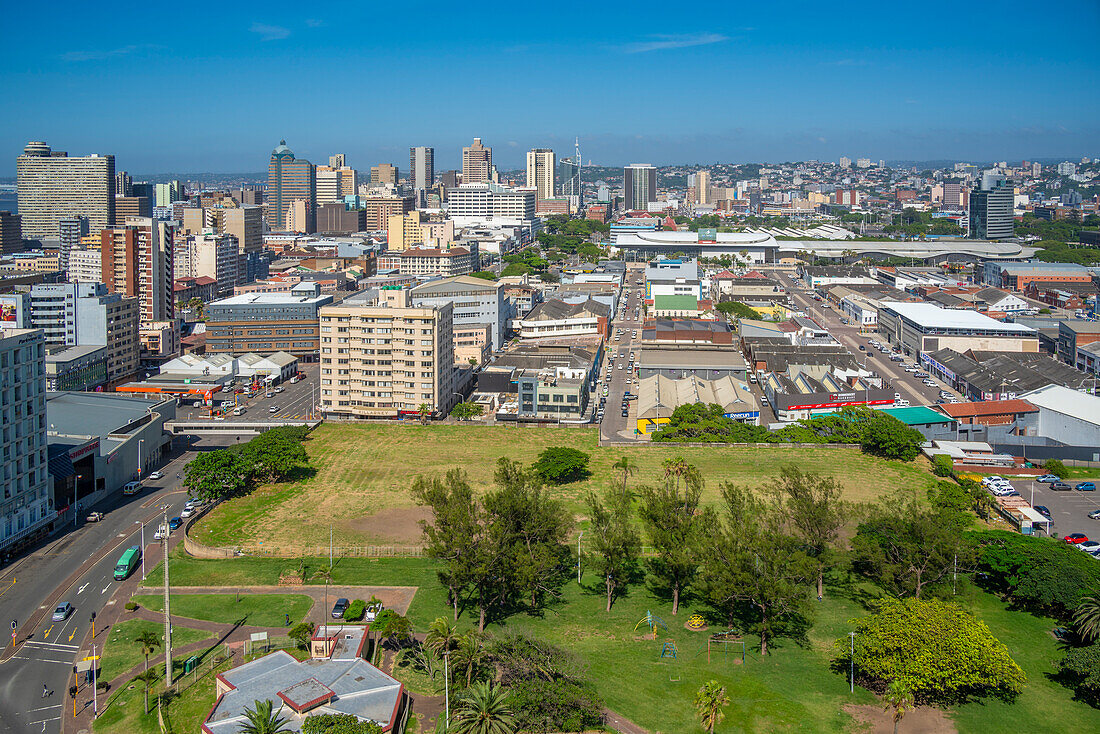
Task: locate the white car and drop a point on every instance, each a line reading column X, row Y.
column 187, row 512
column 1089, row 546
column 162, row 533
column 156, row 475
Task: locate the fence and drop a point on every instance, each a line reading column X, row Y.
column 185, row 680
column 338, row 551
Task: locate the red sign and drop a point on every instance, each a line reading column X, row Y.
column 838, row 404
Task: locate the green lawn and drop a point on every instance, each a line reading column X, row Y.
column 184, row 713
column 260, row 610
column 792, row 689
column 364, row 469
column 121, row 653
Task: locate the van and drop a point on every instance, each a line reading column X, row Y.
column 131, row 488
column 294, row 380
column 901, row 403
column 238, row 411
column 752, row 377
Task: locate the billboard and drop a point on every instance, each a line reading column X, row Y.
column 15, row 311
column 708, row 235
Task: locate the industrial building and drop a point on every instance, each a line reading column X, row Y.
column 918, row 328
column 659, row 396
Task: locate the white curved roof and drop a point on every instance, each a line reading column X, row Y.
column 974, row 248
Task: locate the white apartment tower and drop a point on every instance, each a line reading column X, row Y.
column 52, row 186
column 540, row 172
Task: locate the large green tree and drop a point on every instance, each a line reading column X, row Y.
column 1080, row 669
column 456, row 535
column 617, row 545
column 561, row 464
column 754, row 570
column 218, row 474
column 939, row 651
column 672, row 522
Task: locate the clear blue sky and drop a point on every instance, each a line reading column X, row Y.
column 192, row 87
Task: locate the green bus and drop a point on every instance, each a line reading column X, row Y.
column 129, row 561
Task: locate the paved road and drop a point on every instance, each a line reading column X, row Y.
column 31, row 586
column 614, row 425
column 295, row 402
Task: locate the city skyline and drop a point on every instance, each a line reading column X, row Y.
column 801, row 82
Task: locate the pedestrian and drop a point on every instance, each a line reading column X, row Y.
column 287, row 621
column 45, row 690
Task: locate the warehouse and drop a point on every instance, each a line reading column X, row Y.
column 923, row 327
column 658, row 396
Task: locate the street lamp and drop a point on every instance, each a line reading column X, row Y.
column 852, row 661
column 140, row 442
column 76, row 499
column 142, row 524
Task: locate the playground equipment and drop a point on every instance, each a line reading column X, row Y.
column 696, row 623
column 725, row 639
column 652, row 621
column 668, row 650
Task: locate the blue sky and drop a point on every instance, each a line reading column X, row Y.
column 198, row 87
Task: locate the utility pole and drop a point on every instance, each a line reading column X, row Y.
column 447, row 689
column 852, row 661
column 579, row 557
column 167, row 611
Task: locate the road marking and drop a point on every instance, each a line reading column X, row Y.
column 81, row 589
column 45, row 708
column 73, row 634
column 48, row 631
column 39, row 643
column 66, row 663
column 105, row 589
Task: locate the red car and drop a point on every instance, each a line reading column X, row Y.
column 1075, row 538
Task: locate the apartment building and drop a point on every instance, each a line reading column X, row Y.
column 211, row 255
column 488, row 200
column 383, row 357
column 243, row 222
column 26, row 508
column 265, row 323
column 52, row 185
column 448, row 262
column 540, row 172
column 379, row 209
column 475, row 301
column 85, row 266
column 137, row 260
column 404, row 230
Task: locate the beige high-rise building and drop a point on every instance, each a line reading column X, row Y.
column 477, row 163
column 404, row 230
column 300, row 217
column 383, row 358
column 53, row 186
column 329, row 185
column 338, row 160
column 702, row 187
column 136, row 259
column 540, row 172
column 383, row 173
column 243, row 222
column 211, row 255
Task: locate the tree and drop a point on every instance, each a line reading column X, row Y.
column 556, row 705
column 561, row 464
column 617, row 544
column 674, row 528
column 455, row 536
column 900, row 698
column 909, row 549
column 1054, row 466
column 484, row 275
column 260, row 719
column 213, row 475
column 626, row 466
column 149, row 642
column 469, row 656
column 147, row 678
column 1087, row 618
column 814, row 512
column 889, row 438
column 753, row 570
column 424, row 411
column 302, row 633
column 1080, row 669
column 938, row 650
column 442, row 636
column 466, row 411
column 483, row 708
column 710, row 699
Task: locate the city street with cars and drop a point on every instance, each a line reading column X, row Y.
column 290, row 400
column 618, row 374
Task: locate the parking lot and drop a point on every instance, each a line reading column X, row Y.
column 293, row 401
column 1068, row 509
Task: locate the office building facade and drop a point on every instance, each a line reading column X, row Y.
column 244, row 223
column 474, row 301
column 490, row 200
column 288, row 179
column 540, row 172
column 52, row 186
column 211, row 255
column 383, row 357
column 384, row 173
column 11, row 233
column 421, row 167
column 477, row 163
column 265, row 323
column 639, row 186
column 991, row 209
column 137, row 260
column 26, row 508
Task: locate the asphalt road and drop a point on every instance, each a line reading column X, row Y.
column 47, row 658
column 614, row 425
column 910, row 388
column 295, row 402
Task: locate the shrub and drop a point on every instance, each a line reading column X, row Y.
column 942, row 465
column 889, row 438
column 560, row 464
column 302, row 633
column 1054, row 466
column 131, row 606
column 355, row 610
column 1080, row 670
column 338, row 724
column 938, row 650
column 558, row 705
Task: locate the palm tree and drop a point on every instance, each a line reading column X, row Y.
column 469, row 656
column 900, row 698
column 147, row 679
column 709, row 702
column 1087, row 617
column 483, row 709
column 261, row 720
column 425, row 413
column 149, row 642
column 626, row 466
column 442, row 636
column 676, row 468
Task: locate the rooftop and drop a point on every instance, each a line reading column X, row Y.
column 931, row 316
column 94, row 413
column 1082, row 406
column 986, row 407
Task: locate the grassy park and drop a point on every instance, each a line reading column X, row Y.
column 363, row 474
column 259, row 610
column 122, row 653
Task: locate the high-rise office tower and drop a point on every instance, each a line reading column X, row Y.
column 639, row 185
column 329, row 185
column 477, row 163
column 991, row 216
column 338, row 160
column 421, row 167
column 24, row 479
column 124, row 184
column 540, row 172
column 384, row 173
column 132, row 206
column 11, row 233
column 70, row 231
column 702, row 187
column 136, row 260
column 165, row 194
column 569, row 173
column 288, row 179
column 53, row 185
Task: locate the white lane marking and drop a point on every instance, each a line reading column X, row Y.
column 81, row 589
column 105, row 589
column 67, row 663
column 37, row 643
column 45, row 708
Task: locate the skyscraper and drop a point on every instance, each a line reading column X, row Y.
column 639, row 185
column 991, row 208
column 421, row 167
column 11, row 233
column 167, row 193
column 137, row 260
column 477, row 163
column 384, row 173
column 338, row 160
column 702, row 187
column 52, row 186
column 288, row 179
column 1037, row 170
column 540, row 172
column 124, row 184
column 329, row 185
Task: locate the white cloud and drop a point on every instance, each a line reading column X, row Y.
column 107, row 53
column 665, row 42
column 269, row 32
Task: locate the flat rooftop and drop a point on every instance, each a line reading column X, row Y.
column 931, row 316
column 93, row 413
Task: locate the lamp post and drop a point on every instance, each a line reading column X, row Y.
column 852, row 661
column 142, row 524
column 447, row 688
column 140, row 442
column 76, row 499
column 579, row 557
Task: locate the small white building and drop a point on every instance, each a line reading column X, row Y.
column 277, row 367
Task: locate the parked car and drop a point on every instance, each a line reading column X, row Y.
column 1059, row 486
column 1089, row 546
column 339, row 608
column 1043, row 510
column 372, row 611
column 64, row 609
column 1086, row 487
column 174, row 523
column 1049, row 479
column 156, row 475
column 1075, row 538
column 1094, row 515
column 187, row 512
column 273, row 409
